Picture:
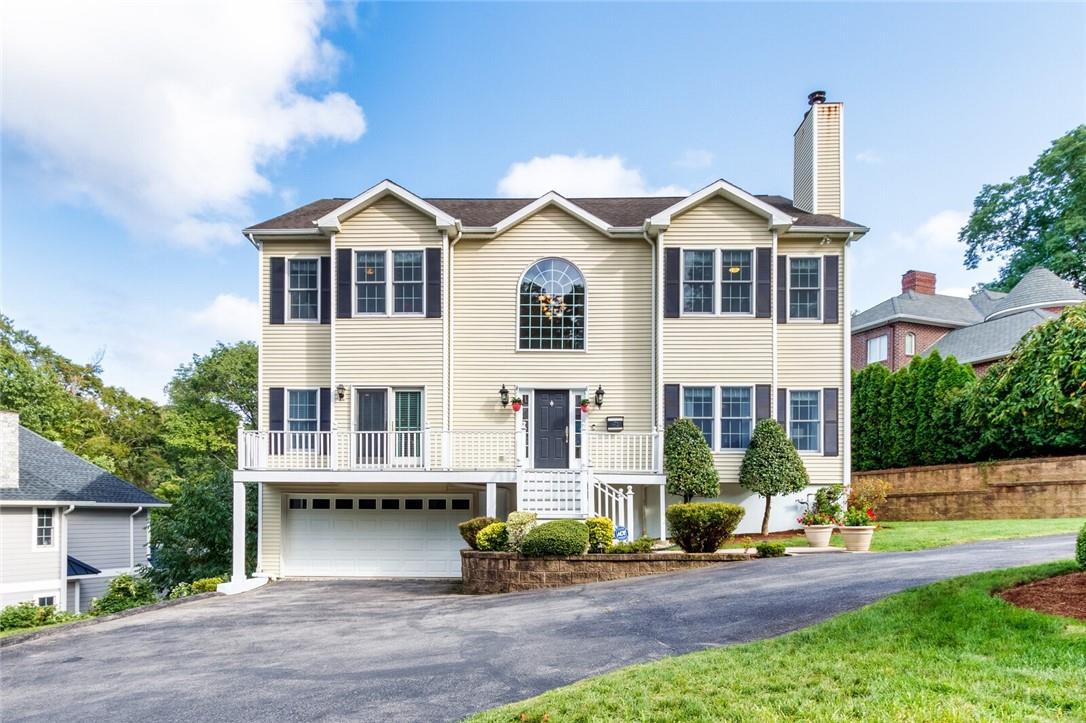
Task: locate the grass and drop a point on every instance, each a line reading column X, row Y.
column 909, row 536
column 944, row 652
column 20, row 631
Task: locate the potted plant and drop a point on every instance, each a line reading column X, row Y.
column 584, row 406
column 858, row 529
column 516, row 403
column 817, row 527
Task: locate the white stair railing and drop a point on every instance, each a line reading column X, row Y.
column 613, row 502
column 551, row 493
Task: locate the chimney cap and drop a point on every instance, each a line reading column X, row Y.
column 818, row 96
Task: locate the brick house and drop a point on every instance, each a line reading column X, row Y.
column 978, row 330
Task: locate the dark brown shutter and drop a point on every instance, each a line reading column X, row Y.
column 761, row 402
column 325, row 417
column 343, row 283
column 672, row 287
column 671, row 404
column 782, row 289
column 829, row 421
column 275, row 409
column 433, row 283
column 276, row 305
column 782, row 406
column 829, row 288
column 326, row 289
column 763, row 285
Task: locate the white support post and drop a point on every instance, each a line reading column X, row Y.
column 239, row 533
column 491, row 499
column 446, row 449
column 333, row 450
column 629, row 509
column 241, row 447
column 663, row 519
column 426, row 447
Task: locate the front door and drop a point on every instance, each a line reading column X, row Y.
column 551, row 429
column 372, row 440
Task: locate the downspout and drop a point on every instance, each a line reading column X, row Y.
column 653, row 302
column 132, row 539
column 446, row 392
column 64, row 557
column 773, row 327
column 846, row 390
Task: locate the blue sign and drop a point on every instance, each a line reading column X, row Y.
column 621, row 534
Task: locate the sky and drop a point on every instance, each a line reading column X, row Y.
column 137, row 140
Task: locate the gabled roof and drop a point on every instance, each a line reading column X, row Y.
column 50, row 473
column 774, row 216
column 332, row 219
column 78, row 567
column 1038, row 288
column 933, row 309
column 990, row 339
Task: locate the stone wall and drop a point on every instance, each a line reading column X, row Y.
column 491, row 572
column 1017, row 488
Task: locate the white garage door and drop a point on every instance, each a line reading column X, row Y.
column 374, row 536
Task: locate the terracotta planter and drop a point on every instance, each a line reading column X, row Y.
column 858, row 539
column 818, row 535
column 584, row 409
column 516, row 406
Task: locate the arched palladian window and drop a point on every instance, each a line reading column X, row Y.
column 551, row 307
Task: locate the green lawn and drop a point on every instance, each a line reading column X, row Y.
column 945, row 652
column 19, row 631
column 908, row 536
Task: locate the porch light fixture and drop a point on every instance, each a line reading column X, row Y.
column 341, row 392
column 504, row 394
column 599, row 396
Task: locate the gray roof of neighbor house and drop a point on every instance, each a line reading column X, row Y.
column 936, row 309
column 986, row 299
column 485, row 212
column 990, row 339
column 78, row 567
column 50, row 473
column 1037, row 288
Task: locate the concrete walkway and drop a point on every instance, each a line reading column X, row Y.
column 410, row 651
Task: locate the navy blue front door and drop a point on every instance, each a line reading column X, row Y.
column 551, row 429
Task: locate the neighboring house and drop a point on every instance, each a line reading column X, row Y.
column 397, row 331
column 67, row 527
column 979, row 330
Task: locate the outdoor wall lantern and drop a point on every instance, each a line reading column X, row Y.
column 341, row 392
column 504, row 394
column 599, row 396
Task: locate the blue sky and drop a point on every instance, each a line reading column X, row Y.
column 128, row 173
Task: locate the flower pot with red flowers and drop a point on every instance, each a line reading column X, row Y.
column 858, row 529
column 584, row 406
column 516, row 403
column 817, row 528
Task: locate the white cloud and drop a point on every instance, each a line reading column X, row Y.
column 695, row 158
column 579, row 175
column 869, row 156
column 164, row 114
column 938, row 233
column 229, row 318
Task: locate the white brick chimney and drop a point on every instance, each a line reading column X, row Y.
column 9, row 449
column 818, row 162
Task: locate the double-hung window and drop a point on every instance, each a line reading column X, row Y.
column 876, row 349
column 43, row 527
column 736, row 280
column 910, row 343
column 408, row 423
column 736, row 417
column 804, row 284
column 698, row 408
column 698, row 281
column 407, row 282
column 301, row 417
column 370, row 282
column 804, row 419
column 303, row 292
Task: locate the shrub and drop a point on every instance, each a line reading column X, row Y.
column 185, row 589
column 558, row 537
column 469, row 529
column 827, row 502
column 1080, row 549
column 601, row 533
column 639, row 546
column 25, row 615
column 765, row 548
column 493, row 538
column 518, row 524
column 703, row 526
column 125, row 591
column 771, row 466
column 180, row 590
column 688, row 462
column 868, row 493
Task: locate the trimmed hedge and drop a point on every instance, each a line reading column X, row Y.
column 471, row 528
column 703, row 526
column 765, row 548
column 558, row 537
column 601, row 533
column 493, row 538
column 1080, row 549
column 640, row 546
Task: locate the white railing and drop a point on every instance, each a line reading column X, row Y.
column 552, row 493
column 613, row 502
column 624, row 451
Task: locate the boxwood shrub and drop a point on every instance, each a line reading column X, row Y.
column 493, row 538
column 1080, row 549
column 703, row 526
column 469, row 529
column 559, row 537
column 639, row 546
column 765, row 548
column 601, row 532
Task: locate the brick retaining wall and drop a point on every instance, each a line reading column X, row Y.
column 491, row 572
column 1015, row 488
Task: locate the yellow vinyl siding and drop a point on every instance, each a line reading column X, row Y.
column 618, row 337
column 292, row 354
column 829, row 159
column 803, row 164
column 394, row 350
column 271, row 529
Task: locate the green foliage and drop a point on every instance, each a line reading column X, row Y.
column 859, row 517
column 1080, row 548
column 470, row 528
column 765, row 548
column 703, row 526
column 558, row 537
column 870, row 423
column 640, row 546
column 125, row 591
column 601, row 532
column 827, row 501
column 185, row 589
column 867, row 493
column 493, row 538
column 25, row 615
column 518, row 524
column 688, row 462
column 1037, row 219
column 771, row 466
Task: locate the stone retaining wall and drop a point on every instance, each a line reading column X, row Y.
column 491, row 572
column 1016, row 488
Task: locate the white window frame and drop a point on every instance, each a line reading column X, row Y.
column 290, row 446
column 390, row 273
column 719, row 403
column 714, row 392
column 821, row 421
column 910, row 343
column 391, row 278
column 355, row 283
column 883, row 340
column 516, row 312
column 390, row 413
column 818, row 296
column 286, row 296
column 715, row 299
column 52, row 528
column 47, row 596
column 719, row 287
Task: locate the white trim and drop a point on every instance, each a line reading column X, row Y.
column 446, row 398
column 54, row 531
column 79, row 503
column 845, row 413
column 713, row 411
column 660, row 302
column 287, row 318
column 814, row 157
column 1039, row 305
column 132, row 538
column 389, row 283
column 773, row 316
column 32, row 586
column 821, row 289
column 516, row 314
column 334, row 219
column 550, row 199
column 111, row 572
column 719, row 393
column 718, row 282
column 287, row 431
column 821, row 422
column 856, row 231
column 776, row 217
column 64, row 556
column 256, row 233
column 924, row 321
column 885, row 347
column 395, row 476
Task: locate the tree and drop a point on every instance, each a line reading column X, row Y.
column 688, row 462
column 771, row 466
column 1038, row 219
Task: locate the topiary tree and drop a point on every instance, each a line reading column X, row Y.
column 1080, row 548
column 771, row 466
column 688, row 462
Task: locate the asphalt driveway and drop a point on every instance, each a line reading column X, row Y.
column 410, row 651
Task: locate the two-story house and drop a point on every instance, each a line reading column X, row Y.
column 427, row 360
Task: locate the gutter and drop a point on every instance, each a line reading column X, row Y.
column 64, row 557
column 132, row 538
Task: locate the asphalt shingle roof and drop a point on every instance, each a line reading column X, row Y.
column 990, row 339
column 1039, row 286
column 49, row 472
column 945, row 310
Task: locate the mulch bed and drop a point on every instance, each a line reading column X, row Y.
column 1061, row 595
